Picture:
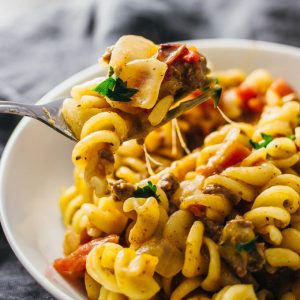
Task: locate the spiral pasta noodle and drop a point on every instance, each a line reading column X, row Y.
column 93, row 153
column 118, row 269
column 129, row 162
column 235, row 292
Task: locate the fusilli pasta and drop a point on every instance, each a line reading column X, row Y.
column 220, row 223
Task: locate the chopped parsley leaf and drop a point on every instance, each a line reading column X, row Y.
column 115, row 88
column 111, row 71
column 291, row 137
column 264, row 143
column 249, row 246
column 146, row 191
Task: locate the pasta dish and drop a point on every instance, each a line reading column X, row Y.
column 205, row 206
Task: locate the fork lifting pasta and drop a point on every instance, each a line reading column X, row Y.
column 140, row 88
column 220, row 223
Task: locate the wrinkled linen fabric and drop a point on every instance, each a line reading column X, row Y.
column 59, row 38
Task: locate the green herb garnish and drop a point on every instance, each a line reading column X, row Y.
column 217, row 97
column 217, row 91
column 264, row 143
column 249, row 246
column 291, row 137
column 146, row 191
column 115, row 88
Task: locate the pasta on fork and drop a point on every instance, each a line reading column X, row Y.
column 140, row 88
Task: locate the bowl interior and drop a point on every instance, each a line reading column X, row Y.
column 36, row 163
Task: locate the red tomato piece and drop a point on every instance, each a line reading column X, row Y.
column 84, row 237
column 281, row 87
column 192, row 56
column 228, row 155
column 250, row 98
column 237, row 155
column 73, row 265
column 255, row 105
column 246, row 92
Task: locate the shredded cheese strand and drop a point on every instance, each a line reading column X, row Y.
column 180, row 137
column 224, row 116
column 148, row 164
column 149, row 159
column 174, row 138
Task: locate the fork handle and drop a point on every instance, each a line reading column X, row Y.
column 15, row 108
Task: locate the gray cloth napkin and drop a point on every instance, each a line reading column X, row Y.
column 60, row 38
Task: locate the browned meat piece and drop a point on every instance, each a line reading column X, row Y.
column 122, row 190
column 228, row 277
column 186, row 71
column 212, row 228
column 256, row 258
column 169, row 184
column 106, row 159
column 276, row 281
column 249, row 279
column 107, row 155
column 239, row 248
column 220, row 190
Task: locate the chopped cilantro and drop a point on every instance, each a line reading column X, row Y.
column 146, row 191
column 111, row 71
column 264, row 143
column 115, row 88
column 249, row 246
column 292, row 137
column 105, row 86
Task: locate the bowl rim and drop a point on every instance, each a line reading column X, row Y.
column 82, row 75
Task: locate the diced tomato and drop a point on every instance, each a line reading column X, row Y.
column 172, row 53
column 73, row 265
column 84, row 237
column 246, row 92
column 230, row 153
column 197, row 210
column 192, row 56
column 281, row 87
column 255, row 105
column 251, row 100
column 237, row 155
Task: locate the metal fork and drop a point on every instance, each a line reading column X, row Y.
column 51, row 114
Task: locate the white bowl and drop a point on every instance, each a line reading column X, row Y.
column 36, row 163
